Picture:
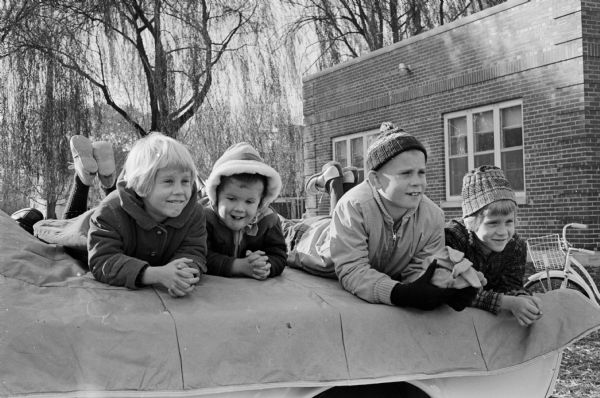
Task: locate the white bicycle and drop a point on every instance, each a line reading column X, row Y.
column 557, row 268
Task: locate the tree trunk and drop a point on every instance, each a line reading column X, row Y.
column 394, row 25
column 51, row 207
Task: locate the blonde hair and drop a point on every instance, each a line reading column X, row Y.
column 502, row 207
column 150, row 154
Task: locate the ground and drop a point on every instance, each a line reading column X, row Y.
column 579, row 374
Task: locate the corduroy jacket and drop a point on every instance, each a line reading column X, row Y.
column 369, row 254
column 123, row 239
column 504, row 271
column 266, row 235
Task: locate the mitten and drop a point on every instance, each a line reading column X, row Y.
column 421, row 293
column 461, row 298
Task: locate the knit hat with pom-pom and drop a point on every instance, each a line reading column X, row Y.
column 391, row 142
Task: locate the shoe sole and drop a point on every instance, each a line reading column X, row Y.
column 81, row 148
column 105, row 158
column 319, row 182
column 83, row 160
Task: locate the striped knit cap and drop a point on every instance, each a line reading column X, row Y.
column 391, row 142
column 482, row 186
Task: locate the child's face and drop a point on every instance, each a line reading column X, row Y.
column 169, row 196
column 237, row 203
column 401, row 181
column 496, row 230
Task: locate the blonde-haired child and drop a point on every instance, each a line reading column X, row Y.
column 149, row 230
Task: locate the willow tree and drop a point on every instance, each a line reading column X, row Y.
column 346, row 29
column 155, row 55
column 256, row 98
column 43, row 108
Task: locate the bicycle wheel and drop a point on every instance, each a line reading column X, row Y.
column 535, row 286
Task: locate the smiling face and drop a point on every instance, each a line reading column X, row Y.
column 496, row 230
column 238, row 202
column 401, row 182
column 170, row 194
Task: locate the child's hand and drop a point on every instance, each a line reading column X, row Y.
column 177, row 276
column 527, row 309
column 254, row 265
column 259, row 264
column 185, row 278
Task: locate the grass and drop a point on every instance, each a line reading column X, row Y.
column 579, row 374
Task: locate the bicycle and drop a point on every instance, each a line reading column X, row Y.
column 557, row 268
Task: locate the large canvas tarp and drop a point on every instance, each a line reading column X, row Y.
column 62, row 331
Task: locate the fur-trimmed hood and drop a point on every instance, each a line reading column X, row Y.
column 243, row 158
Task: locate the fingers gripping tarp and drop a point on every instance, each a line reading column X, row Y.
column 61, row 331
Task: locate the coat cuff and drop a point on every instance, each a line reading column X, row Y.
column 383, row 290
column 135, row 274
column 140, row 275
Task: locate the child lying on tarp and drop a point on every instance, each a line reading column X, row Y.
column 244, row 233
column 486, row 235
column 149, row 230
column 384, row 233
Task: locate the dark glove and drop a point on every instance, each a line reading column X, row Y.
column 421, row 293
column 462, row 298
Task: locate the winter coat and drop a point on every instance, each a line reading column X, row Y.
column 123, row 239
column 504, row 271
column 371, row 254
column 225, row 245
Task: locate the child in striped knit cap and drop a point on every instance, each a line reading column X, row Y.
column 486, row 235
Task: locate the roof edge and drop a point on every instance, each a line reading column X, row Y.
column 423, row 36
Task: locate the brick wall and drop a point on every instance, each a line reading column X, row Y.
column 539, row 51
column 590, row 171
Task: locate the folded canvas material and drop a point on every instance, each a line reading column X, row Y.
column 62, row 331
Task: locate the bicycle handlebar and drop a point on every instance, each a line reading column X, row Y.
column 574, row 225
column 585, row 251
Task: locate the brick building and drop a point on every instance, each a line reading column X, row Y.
column 517, row 85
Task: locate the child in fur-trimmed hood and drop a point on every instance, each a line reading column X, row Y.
column 244, row 234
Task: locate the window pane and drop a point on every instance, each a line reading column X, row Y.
column 458, row 169
column 356, row 152
column 485, row 159
column 457, row 131
column 340, row 153
column 511, row 116
column 371, row 139
column 512, row 164
column 512, row 129
column 483, row 131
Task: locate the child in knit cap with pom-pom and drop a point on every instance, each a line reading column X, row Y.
column 385, row 232
column 486, row 235
column 244, row 234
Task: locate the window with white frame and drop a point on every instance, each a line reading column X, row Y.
column 491, row 135
column 351, row 150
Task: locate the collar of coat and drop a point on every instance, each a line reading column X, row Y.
column 133, row 205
